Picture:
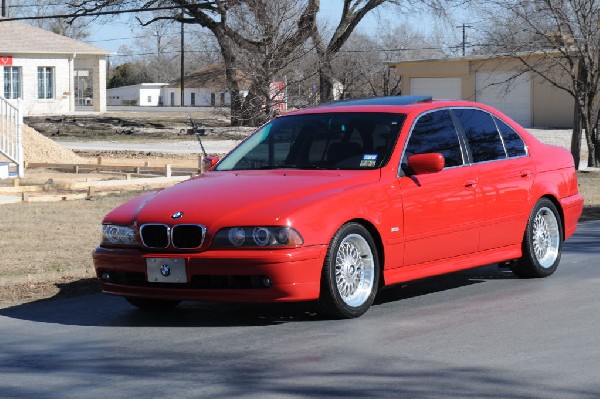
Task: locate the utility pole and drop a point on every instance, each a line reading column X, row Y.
column 464, row 36
column 182, row 82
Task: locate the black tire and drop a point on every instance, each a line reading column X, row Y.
column 542, row 243
column 350, row 276
column 151, row 303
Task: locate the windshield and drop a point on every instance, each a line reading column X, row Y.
column 354, row 141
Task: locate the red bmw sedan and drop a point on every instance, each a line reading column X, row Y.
column 331, row 203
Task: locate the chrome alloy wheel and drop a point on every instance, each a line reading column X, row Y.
column 546, row 237
column 354, row 270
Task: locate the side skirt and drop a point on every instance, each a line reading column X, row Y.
column 434, row 268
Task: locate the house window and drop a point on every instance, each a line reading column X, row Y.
column 149, row 99
column 45, row 82
column 193, row 100
column 12, row 82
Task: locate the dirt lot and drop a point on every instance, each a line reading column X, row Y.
column 137, row 125
column 45, row 246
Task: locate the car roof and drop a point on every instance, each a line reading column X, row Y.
column 389, row 100
column 390, row 104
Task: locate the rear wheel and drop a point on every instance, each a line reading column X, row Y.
column 350, row 274
column 542, row 244
column 151, row 303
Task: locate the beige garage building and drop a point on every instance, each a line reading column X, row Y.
column 499, row 82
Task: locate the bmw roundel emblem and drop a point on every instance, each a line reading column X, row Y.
column 177, row 215
column 165, row 270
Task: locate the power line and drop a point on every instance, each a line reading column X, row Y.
column 35, row 5
column 97, row 13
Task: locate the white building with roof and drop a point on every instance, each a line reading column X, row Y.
column 50, row 73
column 143, row 94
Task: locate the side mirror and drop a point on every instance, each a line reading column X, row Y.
column 208, row 163
column 421, row 164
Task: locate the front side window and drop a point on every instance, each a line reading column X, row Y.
column 484, row 140
column 12, row 82
column 45, row 82
column 344, row 140
column 434, row 132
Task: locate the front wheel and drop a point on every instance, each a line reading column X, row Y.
column 542, row 244
column 350, row 273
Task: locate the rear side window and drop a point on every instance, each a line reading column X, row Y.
column 514, row 144
column 435, row 132
column 482, row 134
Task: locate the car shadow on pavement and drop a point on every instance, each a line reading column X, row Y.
column 109, row 311
column 105, row 310
column 443, row 282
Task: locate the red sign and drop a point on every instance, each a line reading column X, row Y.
column 277, row 93
column 5, row 60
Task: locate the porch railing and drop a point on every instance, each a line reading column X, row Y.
column 11, row 138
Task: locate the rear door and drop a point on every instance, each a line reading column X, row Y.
column 440, row 211
column 505, row 177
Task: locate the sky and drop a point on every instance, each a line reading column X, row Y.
column 122, row 31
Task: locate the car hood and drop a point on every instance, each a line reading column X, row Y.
column 217, row 199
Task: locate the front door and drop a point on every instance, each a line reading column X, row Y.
column 440, row 209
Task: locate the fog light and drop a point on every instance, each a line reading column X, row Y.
column 267, row 282
column 105, row 276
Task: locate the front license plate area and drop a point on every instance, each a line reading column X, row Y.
column 166, row 270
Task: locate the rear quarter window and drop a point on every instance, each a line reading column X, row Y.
column 514, row 144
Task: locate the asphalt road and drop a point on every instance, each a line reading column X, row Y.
column 480, row 333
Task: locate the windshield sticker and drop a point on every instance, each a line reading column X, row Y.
column 368, row 160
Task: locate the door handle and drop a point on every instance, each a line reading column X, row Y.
column 525, row 173
column 471, row 183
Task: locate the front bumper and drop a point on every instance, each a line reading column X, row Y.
column 219, row 275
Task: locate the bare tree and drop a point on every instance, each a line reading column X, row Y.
column 73, row 29
column 284, row 25
column 352, row 13
column 558, row 41
column 361, row 64
column 216, row 15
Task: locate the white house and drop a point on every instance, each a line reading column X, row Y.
column 206, row 87
column 143, row 94
column 50, row 73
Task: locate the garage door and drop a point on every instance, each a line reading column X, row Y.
column 513, row 97
column 439, row 88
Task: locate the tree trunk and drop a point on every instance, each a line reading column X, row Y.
column 591, row 142
column 326, row 81
column 596, row 160
column 229, row 60
column 576, row 137
column 255, row 109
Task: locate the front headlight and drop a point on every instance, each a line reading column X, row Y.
column 257, row 236
column 113, row 234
